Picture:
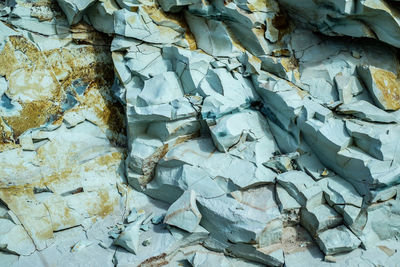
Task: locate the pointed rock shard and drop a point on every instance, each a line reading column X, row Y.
column 129, row 238
column 383, row 85
column 183, row 213
column 74, row 9
column 319, row 218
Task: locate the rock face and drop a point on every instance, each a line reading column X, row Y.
column 222, row 133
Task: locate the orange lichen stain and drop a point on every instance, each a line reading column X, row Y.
column 57, row 177
column 6, row 137
column 389, row 85
column 9, row 193
column 7, row 60
column 60, row 215
column 19, row 54
column 108, row 159
column 33, row 114
column 291, row 64
column 132, row 19
column 158, row 16
column 150, row 163
column 45, row 233
column 260, row 5
column 83, row 33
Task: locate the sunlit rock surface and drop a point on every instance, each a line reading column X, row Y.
column 199, row 133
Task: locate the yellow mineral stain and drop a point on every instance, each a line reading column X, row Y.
column 389, row 84
column 105, row 204
column 33, row 114
column 289, row 64
column 158, row 15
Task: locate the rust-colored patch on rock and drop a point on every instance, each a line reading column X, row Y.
column 389, row 85
column 33, row 114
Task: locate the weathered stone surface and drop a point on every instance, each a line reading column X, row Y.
column 319, row 218
column 129, row 238
column 336, row 240
column 183, row 213
column 246, row 118
column 74, row 9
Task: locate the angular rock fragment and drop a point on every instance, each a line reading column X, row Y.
column 301, row 187
column 183, row 213
column 139, row 25
column 366, row 111
column 383, row 86
column 239, row 223
column 129, row 238
column 74, row 9
column 257, row 255
column 319, row 218
column 337, row 240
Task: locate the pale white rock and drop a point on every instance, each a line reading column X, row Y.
column 169, row 183
column 21, row 17
column 71, row 119
column 357, row 19
column 338, row 191
column 177, row 109
column 160, row 89
column 183, row 213
column 337, row 240
column 26, row 142
column 261, row 197
column 169, row 130
column 310, row 163
column 184, row 238
column 297, row 183
column 225, row 93
column 15, row 239
column 377, row 227
column 144, row 155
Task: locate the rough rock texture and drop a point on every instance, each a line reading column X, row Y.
column 199, row 133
